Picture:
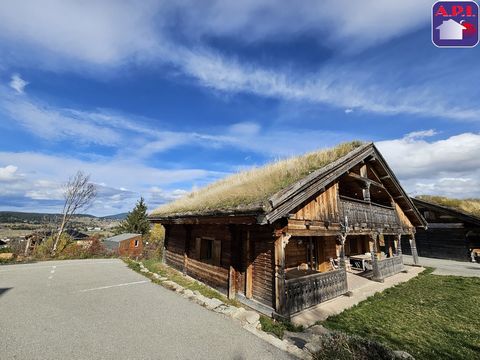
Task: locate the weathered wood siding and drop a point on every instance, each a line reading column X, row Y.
column 326, row 248
column 296, row 252
column 323, row 206
column 212, row 275
column 263, row 265
column 176, row 246
column 440, row 243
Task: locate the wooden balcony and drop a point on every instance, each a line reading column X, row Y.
column 307, row 291
column 363, row 215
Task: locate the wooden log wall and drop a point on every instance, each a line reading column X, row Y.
column 263, row 270
column 212, row 275
column 176, row 246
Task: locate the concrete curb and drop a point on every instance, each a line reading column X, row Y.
column 250, row 320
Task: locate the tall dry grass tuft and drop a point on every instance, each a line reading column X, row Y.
column 470, row 206
column 252, row 188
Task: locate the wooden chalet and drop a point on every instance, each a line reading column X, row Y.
column 288, row 252
column 450, row 234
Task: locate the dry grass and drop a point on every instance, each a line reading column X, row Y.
column 470, row 206
column 251, row 189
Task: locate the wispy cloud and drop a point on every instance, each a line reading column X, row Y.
column 126, row 32
column 17, row 83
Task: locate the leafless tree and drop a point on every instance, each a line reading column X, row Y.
column 79, row 194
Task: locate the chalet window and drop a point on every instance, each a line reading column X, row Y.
column 136, row 243
column 208, row 250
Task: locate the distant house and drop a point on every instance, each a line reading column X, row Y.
column 278, row 237
column 452, row 233
column 126, row 244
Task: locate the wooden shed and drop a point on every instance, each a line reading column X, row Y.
column 451, row 233
column 125, row 244
column 278, row 237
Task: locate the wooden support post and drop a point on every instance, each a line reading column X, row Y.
column 249, row 272
column 366, row 189
column 399, row 245
column 280, row 296
column 413, row 247
column 310, row 246
column 373, row 250
column 342, row 237
column 231, row 283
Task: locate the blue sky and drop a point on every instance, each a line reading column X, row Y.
column 157, row 98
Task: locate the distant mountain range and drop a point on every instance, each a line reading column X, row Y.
column 17, row 216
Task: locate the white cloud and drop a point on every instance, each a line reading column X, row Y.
column 448, row 166
column 415, row 135
column 125, row 32
column 348, row 111
column 43, row 175
column 17, row 83
column 55, row 123
column 96, row 32
column 9, row 173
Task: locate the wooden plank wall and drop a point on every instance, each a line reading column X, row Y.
column 322, row 207
column 326, row 249
column 263, row 265
column 439, row 243
column 296, row 253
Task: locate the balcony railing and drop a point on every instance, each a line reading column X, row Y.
column 390, row 266
column 307, row 291
column 362, row 214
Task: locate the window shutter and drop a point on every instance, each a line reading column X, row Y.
column 217, row 252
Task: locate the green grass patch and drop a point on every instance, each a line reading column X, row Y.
column 277, row 327
column 430, row 316
column 156, row 266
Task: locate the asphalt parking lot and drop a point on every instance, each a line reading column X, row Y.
column 100, row 309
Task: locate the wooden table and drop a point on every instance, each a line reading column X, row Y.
column 361, row 260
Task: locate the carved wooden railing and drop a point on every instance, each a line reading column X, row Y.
column 362, row 214
column 306, row 291
column 390, row 266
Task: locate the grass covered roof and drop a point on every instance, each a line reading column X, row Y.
column 250, row 190
column 468, row 206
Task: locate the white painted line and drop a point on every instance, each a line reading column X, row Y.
column 50, row 277
column 17, row 267
column 118, row 285
column 52, row 272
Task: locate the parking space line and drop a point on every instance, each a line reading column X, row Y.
column 117, row 285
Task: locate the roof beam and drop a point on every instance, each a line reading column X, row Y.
column 365, row 180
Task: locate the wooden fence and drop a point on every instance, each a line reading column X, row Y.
column 306, row 291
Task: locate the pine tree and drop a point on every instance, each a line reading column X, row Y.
column 137, row 220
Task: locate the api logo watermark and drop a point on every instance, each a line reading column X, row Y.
column 455, row 23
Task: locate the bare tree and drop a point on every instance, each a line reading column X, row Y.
column 79, row 194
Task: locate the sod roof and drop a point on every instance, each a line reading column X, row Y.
column 468, row 206
column 249, row 191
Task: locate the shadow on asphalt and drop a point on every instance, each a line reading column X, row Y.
column 4, row 290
